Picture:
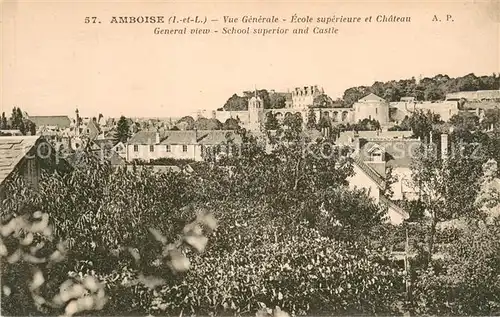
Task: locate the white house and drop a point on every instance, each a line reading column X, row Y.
column 188, row 145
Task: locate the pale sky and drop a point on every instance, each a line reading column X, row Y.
column 53, row 62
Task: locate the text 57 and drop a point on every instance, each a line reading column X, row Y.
column 91, row 20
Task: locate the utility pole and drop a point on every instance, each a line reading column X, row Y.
column 408, row 273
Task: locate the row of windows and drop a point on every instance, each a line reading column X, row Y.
column 167, row 148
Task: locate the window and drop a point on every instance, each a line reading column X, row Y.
column 376, row 110
column 184, row 148
column 151, row 148
column 167, row 148
column 136, row 148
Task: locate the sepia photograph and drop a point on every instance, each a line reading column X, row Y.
column 250, row 158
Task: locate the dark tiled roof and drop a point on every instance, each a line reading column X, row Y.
column 369, row 171
column 143, row 137
column 179, row 137
column 12, row 151
column 61, row 122
column 389, row 203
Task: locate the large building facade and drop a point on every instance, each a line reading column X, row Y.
column 372, row 107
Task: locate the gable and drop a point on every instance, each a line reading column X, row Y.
column 12, row 152
column 371, row 98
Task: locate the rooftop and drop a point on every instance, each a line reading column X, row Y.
column 12, row 150
column 205, row 137
column 371, row 98
column 398, row 152
column 61, row 122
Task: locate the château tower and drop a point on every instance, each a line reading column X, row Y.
column 255, row 112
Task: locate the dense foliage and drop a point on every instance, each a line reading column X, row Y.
column 289, row 232
column 429, row 89
column 17, row 121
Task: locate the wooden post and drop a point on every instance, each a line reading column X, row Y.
column 407, row 269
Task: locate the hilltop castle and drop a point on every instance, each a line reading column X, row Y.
column 301, row 99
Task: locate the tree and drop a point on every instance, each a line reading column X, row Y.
column 429, row 88
column 491, row 119
column 122, row 130
column 465, row 122
column 3, row 123
column 231, row 124
column 208, row 124
column 421, row 124
column 447, row 187
column 322, row 101
column 277, row 100
column 390, row 179
column 32, row 128
column 236, row 103
column 311, row 119
column 292, row 127
column 186, row 123
column 367, row 125
column 271, row 122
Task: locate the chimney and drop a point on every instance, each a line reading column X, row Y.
column 444, row 146
column 357, row 145
column 157, row 138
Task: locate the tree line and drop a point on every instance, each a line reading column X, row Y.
column 17, row 121
column 423, row 89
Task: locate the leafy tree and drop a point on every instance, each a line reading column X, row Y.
column 465, row 122
column 429, row 88
column 421, row 124
column 324, row 122
column 277, row 100
column 122, row 130
column 3, row 123
column 367, row 125
column 322, row 101
column 32, row 128
column 352, row 95
column 311, row 119
column 236, row 103
column 271, row 122
column 390, row 180
column 447, row 187
column 292, row 127
column 18, row 121
column 491, row 119
column 188, row 122
column 208, row 124
column 231, row 124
